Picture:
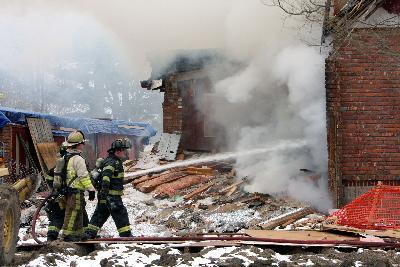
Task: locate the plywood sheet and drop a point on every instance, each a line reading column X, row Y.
column 348, row 229
column 48, row 152
column 298, row 235
column 40, row 130
column 168, row 146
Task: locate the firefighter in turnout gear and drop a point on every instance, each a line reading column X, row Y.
column 110, row 192
column 54, row 208
column 75, row 181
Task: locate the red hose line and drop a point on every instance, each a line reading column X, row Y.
column 254, row 239
column 35, row 217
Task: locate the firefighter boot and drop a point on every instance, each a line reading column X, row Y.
column 52, row 236
column 126, row 234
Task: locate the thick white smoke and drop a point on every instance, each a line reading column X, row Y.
column 282, row 102
column 277, row 94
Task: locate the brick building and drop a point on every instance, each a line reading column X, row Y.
column 363, row 105
column 188, row 95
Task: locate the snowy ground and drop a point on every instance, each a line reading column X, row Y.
column 168, row 217
column 163, row 255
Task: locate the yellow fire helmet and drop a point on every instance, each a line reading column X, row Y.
column 76, row 138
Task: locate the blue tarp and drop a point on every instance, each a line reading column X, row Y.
column 86, row 125
column 3, row 120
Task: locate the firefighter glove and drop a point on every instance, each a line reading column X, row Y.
column 57, row 182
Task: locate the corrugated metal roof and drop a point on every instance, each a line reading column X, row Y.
column 86, row 125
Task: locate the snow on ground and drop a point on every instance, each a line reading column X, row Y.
column 150, row 255
column 168, row 255
column 168, row 217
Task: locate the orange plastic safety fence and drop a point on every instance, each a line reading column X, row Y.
column 378, row 208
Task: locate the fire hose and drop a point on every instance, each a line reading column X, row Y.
column 270, row 241
column 36, row 215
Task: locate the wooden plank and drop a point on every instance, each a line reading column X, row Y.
column 278, row 221
column 40, row 131
column 170, row 189
column 348, row 229
column 228, row 188
column 198, row 190
column 231, row 191
column 152, row 184
column 48, row 152
column 203, row 170
column 299, row 235
column 147, row 178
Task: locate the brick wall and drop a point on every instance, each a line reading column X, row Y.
column 363, row 110
column 172, row 107
column 6, row 138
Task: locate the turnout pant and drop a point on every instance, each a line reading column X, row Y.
column 55, row 214
column 75, row 215
column 111, row 206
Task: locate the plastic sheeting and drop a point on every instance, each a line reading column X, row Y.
column 86, row 125
column 3, row 120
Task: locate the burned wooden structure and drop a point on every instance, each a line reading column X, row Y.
column 188, row 99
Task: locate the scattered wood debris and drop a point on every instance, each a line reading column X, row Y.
column 150, row 185
column 199, row 190
column 170, row 189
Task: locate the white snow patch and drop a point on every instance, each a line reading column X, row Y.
column 218, row 252
column 308, row 263
column 200, row 262
column 178, row 213
column 281, row 257
column 118, row 254
column 358, row 264
column 206, row 201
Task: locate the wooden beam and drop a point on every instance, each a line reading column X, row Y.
column 153, row 184
column 282, row 219
column 231, row 191
column 195, row 170
column 234, row 185
column 199, row 190
column 147, row 178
